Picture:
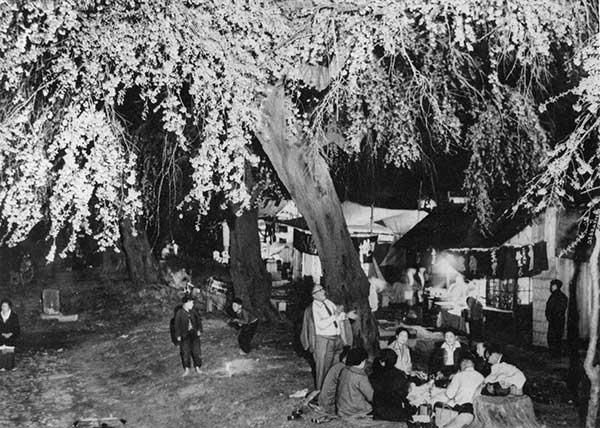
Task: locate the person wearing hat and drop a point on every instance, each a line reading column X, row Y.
column 330, row 333
column 555, row 314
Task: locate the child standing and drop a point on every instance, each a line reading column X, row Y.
column 188, row 326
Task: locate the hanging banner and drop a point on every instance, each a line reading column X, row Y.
column 504, row 262
column 304, row 242
column 364, row 246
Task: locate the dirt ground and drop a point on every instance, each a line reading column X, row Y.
column 117, row 360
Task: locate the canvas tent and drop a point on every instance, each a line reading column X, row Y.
column 369, row 228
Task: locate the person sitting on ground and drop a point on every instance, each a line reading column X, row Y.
column 460, row 393
column 328, row 392
column 480, row 358
column 446, row 358
column 10, row 331
column 248, row 324
column 390, row 388
column 354, row 392
column 188, row 327
column 504, row 378
column 404, row 361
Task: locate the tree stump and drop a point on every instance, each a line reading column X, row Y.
column 503, row 412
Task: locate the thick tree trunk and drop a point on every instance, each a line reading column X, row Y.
column 306, row 176
column 251, row 281
column 141, row 265
column 576, row 372
column 592, row 368
column 503, row 412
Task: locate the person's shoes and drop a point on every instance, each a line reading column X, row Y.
column 243, row 353
column 199, row 371
column 186, row 372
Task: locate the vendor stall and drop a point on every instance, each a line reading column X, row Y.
column 501, row 279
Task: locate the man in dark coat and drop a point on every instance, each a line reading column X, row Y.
column 188, row 326
column 555, row 314
column 475, row 319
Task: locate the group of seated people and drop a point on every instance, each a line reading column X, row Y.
column 352, row 389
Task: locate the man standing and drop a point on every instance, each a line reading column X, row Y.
column 421, row 283
column 555, row 314
column 475, row 319
column 328, row 322
column 188, row 327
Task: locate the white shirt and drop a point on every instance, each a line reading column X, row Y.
column 325, row 323
column 463, row 386
column 506, row 374
column 373, row 298
column 4, row 318
column 450, row 352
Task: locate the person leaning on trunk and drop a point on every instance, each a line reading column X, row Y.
column 188, row 327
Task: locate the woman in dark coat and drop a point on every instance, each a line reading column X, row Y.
column 9, row 325
column 390, row 387
column 9, row 334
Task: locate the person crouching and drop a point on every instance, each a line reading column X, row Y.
column 505, row 378
column 188, row 327
column 248, row 324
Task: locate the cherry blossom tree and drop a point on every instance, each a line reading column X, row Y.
column 308, row 78
column 571, row 173
column 69, row 69
column 402, row 77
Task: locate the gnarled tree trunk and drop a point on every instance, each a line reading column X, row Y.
column 592, row 368
column 306, row 176
column 503, row 412
column 251, row 281
column 141, row 264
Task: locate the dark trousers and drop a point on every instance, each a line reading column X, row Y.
column 495, row 390
column 476, row 330
column 189, row 349
column 7, row 360
column 247, row 332
column 556, row 329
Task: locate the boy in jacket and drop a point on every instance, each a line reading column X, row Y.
column 188, row 326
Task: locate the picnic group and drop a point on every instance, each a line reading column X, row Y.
column 389, row 388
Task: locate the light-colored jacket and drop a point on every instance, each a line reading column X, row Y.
column 404, row 361
column 308, row 333
column 507, row 375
